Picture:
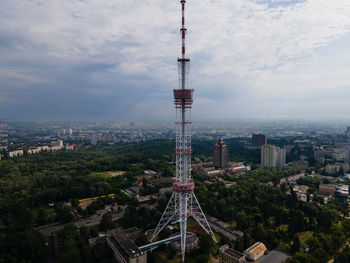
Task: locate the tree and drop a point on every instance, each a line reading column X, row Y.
column 106, row 222
column 296, row 244
column 206, row 244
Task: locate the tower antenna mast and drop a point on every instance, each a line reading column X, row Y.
column 183, row 202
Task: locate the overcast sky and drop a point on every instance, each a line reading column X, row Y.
column 116, row 59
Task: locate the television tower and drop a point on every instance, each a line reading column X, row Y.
column 183, row 202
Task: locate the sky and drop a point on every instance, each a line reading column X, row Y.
column 116, row 60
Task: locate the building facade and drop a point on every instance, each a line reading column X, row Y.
column 220, row 154
column 272, row 156
column 259, row 139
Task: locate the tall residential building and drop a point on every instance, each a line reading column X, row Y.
column 348, row 132
column 259, row 139
column 280, row 161
column 220, row 154
column 272, row 156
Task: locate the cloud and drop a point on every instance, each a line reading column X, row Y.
column 117, row 59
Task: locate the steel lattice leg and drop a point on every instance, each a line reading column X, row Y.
column 168, row 215
column 199, row 216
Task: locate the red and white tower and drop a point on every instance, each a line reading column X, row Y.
column 183, row 203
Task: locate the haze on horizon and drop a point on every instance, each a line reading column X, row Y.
column 116, row 60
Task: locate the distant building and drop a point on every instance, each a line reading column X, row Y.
column 220, row 154
column 255, row 252
column 342, row 193
column 327, row 189
column 272, row 156
column 280, row 157
column 17, row 153
column 93, row 139
column 332, row 169
column 34, row 150
column 70, row 131
column 228, row 255
column 259, row 139
column 347, row 133
column 268, row 156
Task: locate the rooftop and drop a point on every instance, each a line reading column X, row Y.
column 275, row 257
column 256, row 249
column 120, row 239
column 233, row 253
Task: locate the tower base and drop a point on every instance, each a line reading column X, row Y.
column 181, row 206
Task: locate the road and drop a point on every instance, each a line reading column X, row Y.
column 88, row 222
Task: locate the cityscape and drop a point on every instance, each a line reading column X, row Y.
column 106, row 157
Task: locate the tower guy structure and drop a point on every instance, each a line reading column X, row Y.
column 183, row 202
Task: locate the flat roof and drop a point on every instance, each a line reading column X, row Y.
column 126, row 244
column 275, row 257
column 233, row 253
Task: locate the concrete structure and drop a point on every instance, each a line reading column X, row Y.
column 255, row 251
column 125, row 251
column 272, row 156
column 220, row 154
column 191, row 242
column 17, row 153
column 228, row 255
column 259, row 139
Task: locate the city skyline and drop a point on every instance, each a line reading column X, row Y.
column 114, row 61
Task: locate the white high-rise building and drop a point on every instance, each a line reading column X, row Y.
column 272, row 156
column 280, row 157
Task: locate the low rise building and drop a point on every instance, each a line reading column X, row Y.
column 125, row 250
column 332, row 169
column 327, row 189
column 228, row 255
column 16, row 153
column 255, row 252
column 342, row 193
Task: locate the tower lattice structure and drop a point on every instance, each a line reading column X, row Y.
column 183, row 202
